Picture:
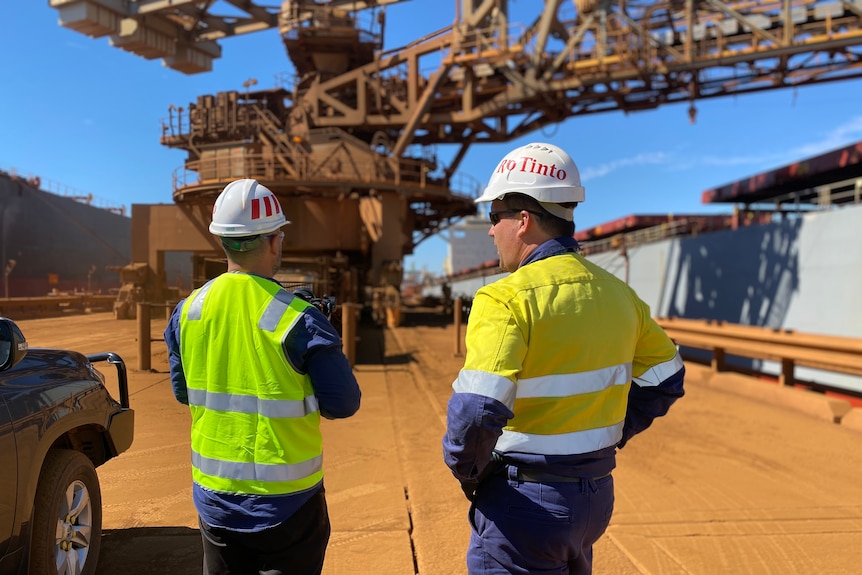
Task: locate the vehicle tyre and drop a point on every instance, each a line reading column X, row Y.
column 67, row 516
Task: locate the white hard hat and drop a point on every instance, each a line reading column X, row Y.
column 246, row 208
column 542, row 171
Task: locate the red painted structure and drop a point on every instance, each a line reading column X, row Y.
column 804, row 181
column 630, row 223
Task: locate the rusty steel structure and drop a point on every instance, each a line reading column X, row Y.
column 346, row 144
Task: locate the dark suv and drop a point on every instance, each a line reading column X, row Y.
column 58, row 422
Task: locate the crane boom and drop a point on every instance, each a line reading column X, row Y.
column 495, row 80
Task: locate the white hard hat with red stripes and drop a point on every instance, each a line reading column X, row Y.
column 246, row 208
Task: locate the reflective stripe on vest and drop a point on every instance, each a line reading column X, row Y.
column 252, row 404
column 255, row 419
column 256, row 472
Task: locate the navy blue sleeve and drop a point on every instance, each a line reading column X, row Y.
column 314, row 347
column 649, row 402
column 473, row 425
column 172, row 340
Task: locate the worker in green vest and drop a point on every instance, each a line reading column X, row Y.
column 258, row 367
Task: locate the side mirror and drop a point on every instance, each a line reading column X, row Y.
column 13, row 346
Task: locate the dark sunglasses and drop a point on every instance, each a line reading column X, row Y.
column 495, row 217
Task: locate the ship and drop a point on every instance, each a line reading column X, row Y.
column 58, row 244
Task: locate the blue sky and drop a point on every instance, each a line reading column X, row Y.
column 86, row 117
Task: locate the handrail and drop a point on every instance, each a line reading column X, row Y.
column 772, row 335
column 787, row 347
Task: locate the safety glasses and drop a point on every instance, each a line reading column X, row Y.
column 495, row 217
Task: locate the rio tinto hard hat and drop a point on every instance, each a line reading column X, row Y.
column 542, row 171
column 246, row 208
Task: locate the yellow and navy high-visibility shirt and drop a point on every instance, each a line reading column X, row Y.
column 564, row 364
column 255, row 420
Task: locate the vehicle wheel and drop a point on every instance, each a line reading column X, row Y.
column 67, row 516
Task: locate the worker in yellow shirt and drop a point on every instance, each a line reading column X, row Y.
column 564, row 365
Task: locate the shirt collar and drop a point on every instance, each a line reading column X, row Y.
column 554, row 247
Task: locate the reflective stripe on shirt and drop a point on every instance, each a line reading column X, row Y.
column 575, row 383
column 564, row 385
column 487, row 384
column 658, row 373
column 561, row 443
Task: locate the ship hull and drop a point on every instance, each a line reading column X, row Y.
column 57, row 243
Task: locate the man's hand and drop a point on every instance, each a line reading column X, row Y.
column 469, row 489
column 496, row 465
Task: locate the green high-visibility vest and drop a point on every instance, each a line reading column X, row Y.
column 255, row 420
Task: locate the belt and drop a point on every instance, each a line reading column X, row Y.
column 531, row 476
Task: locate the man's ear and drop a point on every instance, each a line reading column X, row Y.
column 273, row 244
column 526, row 223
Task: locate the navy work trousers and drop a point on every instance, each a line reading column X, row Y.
column 295, row 547
column 528, row 528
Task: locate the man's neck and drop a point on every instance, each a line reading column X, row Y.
column 256, row 270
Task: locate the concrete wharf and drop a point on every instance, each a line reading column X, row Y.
column 727, row 483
